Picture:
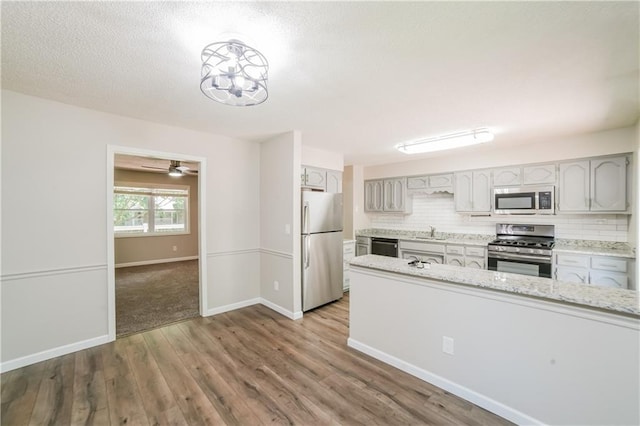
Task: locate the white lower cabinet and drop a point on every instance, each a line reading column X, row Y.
column 572, row 275
column 475, row 257
column 455, row 260
column 423, row 251
column 455, row 255
column 363, row 246
column 605, row 271
column 467, row 256
column 348, row 253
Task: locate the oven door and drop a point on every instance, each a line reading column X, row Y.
column 522, row 264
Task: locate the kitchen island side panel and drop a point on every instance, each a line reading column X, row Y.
column 526, row 360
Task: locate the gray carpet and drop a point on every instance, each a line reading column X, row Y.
column 151, row 296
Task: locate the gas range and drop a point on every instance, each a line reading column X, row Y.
column 523, row 249
column 524, row 245
column 523, row 239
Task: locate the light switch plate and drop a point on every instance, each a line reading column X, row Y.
column 447, row 345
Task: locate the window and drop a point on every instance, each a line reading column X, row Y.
column 150, row 210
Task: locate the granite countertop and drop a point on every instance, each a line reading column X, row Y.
column 423, row 236
column 604, row 298
column 587, row 247
column 594, row 248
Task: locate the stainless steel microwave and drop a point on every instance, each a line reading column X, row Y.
column 524, row 200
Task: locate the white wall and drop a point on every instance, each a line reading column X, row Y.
column 361, row 219
column 54, row 230
column 526, row 360
column 320, row 158
column 280, row 224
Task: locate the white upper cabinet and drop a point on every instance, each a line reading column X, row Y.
column 608, row 184
column 473, row 191
column 508, row 176
column 317, row 178
column 313, row 178
column 334, row 181
column 431, row 183
column 373, row 201
column 463, row 192
column 386, row 195
column 526, row 175
column 539, row 174
column 598, row 185
column 573, row 190
column 395, row 195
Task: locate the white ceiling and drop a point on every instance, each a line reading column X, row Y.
column 353, row 77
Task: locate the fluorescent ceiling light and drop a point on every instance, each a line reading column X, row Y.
column 443, row 142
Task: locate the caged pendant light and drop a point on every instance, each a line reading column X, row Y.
column 234, row 74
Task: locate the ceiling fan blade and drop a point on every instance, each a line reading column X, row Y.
column 153, row 167
column 182, row 168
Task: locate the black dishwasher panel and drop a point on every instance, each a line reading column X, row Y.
column 384, row 246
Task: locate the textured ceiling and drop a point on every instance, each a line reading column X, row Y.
column 353, row 77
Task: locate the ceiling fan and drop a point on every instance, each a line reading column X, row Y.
column 174, row 169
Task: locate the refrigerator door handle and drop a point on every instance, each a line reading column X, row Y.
column 307, row 250
column 305, row 218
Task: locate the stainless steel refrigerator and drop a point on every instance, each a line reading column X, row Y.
column 321, row 248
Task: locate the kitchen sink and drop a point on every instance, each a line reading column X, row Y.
column 430, row 238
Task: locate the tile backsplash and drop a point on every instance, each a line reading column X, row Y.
column 438, row 210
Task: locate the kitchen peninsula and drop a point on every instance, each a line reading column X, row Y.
column 533, row 350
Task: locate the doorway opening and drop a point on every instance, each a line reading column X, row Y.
column 156, row 264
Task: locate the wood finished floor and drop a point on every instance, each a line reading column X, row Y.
column 247, row 367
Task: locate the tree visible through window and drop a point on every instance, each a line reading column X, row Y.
column 150, row 210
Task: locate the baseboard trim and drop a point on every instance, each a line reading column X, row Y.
column 476, row 398
column 282, row 311
column 156, row 261
column 232, row 307
column 52, row 353
column 249, row 302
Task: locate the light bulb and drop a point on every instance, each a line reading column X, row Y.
column 238, row 81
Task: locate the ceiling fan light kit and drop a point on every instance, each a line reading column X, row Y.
column 234, row 74
column 448, row 141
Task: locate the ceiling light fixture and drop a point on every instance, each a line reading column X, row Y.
column 234, row 74
column 449, row 141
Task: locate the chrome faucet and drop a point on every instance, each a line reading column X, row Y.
column 432, row 232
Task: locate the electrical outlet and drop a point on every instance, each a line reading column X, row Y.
column 175, row 248
column 447, row 345
column 287, row 229
column 276, row 285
